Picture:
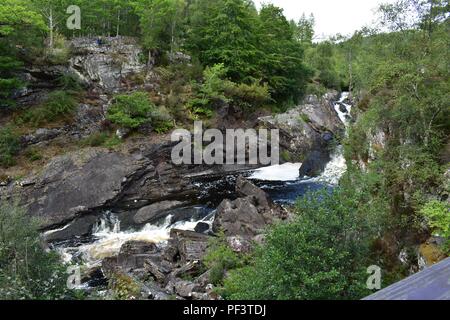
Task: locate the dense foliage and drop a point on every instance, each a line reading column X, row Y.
column 27, row 271
column 321, row 254
column 9, row 146
column 393, row 195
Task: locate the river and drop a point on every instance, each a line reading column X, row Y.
column 281, row 182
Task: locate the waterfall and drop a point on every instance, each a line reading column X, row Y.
column 110, row 238
column 343, row 109
column 337, row 167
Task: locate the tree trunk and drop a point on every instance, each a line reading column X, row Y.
column 118, row 23
column 51, row 27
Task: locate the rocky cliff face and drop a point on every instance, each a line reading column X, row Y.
column 106, row 62
column 306, row 132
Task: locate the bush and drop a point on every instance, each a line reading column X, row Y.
column 211, row 90
column 321, row 254
column 60, row 53
column 69, row 82
column 8, row 81
column 59, row 105
column 216, row 88
column 437, row 214
column 9, row 147
column 162, row 120
column 131, row 111
column 219, row 259
column 95, row 140
column 27, row 271
column 124, row 287
column 253, row 95
column 33, row 154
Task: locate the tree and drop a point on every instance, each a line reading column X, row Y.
column 321, row 254
column 304, row 29
column 282, row 61
column 54, row 13
column 27, row 271
column 160, row 22
column 322, row 59
column 131, row 111
column 13, row 28
column 22, row 18
column 223, row 31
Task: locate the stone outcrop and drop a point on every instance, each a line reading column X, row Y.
column 307, row 130
column 249, row 215
column 156, row 211
column 76, row 184
column 106, row 62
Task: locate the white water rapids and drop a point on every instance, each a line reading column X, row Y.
column 110, row 238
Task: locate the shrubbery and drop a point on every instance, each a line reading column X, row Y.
column 219, row 259
column 437, row 214
column 321, row 254
column 131, row 111
column 134, row 110
column 59, row 105
column 216, row 88
column 27, row 271
column 9, row 147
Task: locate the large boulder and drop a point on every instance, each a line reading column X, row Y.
column 156, row 211
column 189, row 245
column 315, row 163
column 308, row 127
column 249, row 215
column 76, row 184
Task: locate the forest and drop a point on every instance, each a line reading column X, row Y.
column 394, row 194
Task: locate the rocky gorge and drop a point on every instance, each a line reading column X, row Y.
column 131, row 211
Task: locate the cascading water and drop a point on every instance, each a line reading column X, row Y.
column 109, row 238
column 281, row 182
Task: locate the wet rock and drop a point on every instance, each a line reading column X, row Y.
column 239, row 217
column 302, row 128
column 77, row 228
column 76, row 184
column 155, row 271
column 202, row 227
column 248, row 216
column 191, row 246
column 138, row 247
column 314, row 164
column 245, row 188
column 156, row 211
column 133, row 256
